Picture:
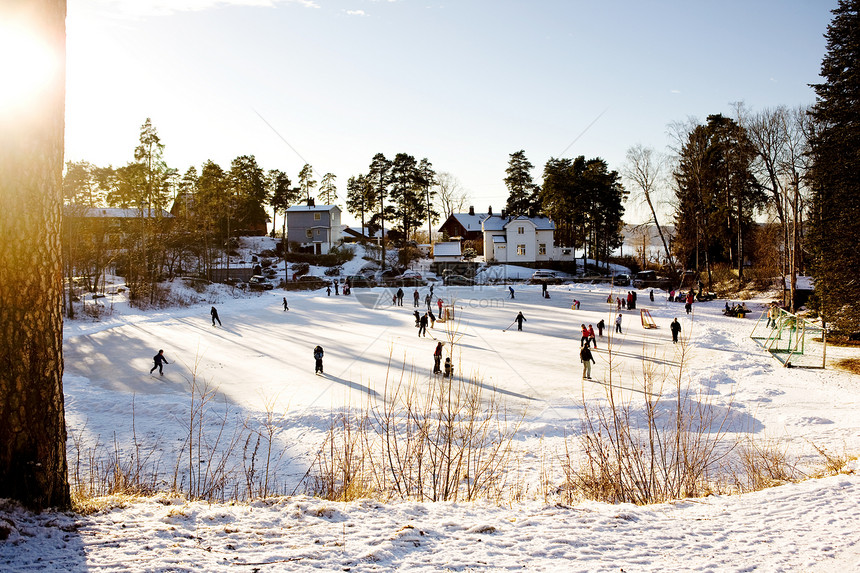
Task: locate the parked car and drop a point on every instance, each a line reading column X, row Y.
column 545, row 277
column 622, row 279
column 259, row 282
column 358, row 281
column 457, row 280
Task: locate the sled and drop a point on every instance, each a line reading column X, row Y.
column 647, row 320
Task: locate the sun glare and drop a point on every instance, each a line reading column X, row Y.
column 27, row 66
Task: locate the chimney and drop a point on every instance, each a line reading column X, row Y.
column 503, row 214
column 310, row 202
column 472, row 210
column 490, row 210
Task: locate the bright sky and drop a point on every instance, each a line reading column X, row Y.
column 462, row 83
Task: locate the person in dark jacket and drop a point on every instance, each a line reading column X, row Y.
column 160, row 361
column 675, row 327
column 519, row 320
column 318, row 356
column 399, row 297
column 214, row 313
column 417, row 318
column 600, row 326
column 587, row 359
column 510, row 288
column 422, row 325
column 286, row 306
column 437, row 358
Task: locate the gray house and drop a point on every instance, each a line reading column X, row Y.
column 315, row 227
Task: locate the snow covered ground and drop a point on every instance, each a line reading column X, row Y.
column 263, row 356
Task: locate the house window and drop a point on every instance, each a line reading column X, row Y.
column 565, row 252
column 317, row 216
column 542, row 249
column 309, row 233
column 520, row 230
column 521, row 249
column 318, row 232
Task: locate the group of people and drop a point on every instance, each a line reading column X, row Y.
column 626, row 303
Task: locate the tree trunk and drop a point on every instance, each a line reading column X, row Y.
column 32, row 424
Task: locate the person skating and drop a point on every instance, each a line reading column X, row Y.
column 689, row 304
column 160, row 361
column 428, row 301
column 651, row 295
column 600, row 326
column 415, row 297
column 328, row 290
column 432, row 318
column 437, row 358
column 510, row 288
column 587, row 359
column 422, row 325
column 286, row 306
column 417, row 316
column 449, row 368
column 318, row 357
column 618, row 324
column 399, row 297
column 591, row 337
column 543, row 289
column 336, row 293
column 675, row 327
column 519, row 320
column 439, row 304
column 214, row 313
column 583, row 340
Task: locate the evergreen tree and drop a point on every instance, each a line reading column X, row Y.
column 835, row 173
column 282, row 196
column 360, row 199
column 717, row 195
column 150, row 155
column 328, row 190
column 523, row 193
column 250, row 192
column 307, row 181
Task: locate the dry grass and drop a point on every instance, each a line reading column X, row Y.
column 852, row 365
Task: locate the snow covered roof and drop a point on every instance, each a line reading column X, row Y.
column 300, row 208
column 498, row 223
column 500, row 239
column 447, row 249
column 470, row 222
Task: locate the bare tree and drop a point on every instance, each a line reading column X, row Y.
column 452, row 197
column 33, row 467
column 780, row 137
column 644, row 169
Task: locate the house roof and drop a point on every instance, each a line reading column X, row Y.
column 470, row 222
column 305, row 208
column 500, row 239
column 447, row 249
column 113, row 212
column 363, row 232
column 498, row 223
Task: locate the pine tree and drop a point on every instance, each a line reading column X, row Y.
column 328, row 190
column 523, row 193
column 33, row 467
column 835, row 173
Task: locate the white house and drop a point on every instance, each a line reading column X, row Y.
column 521, row 240
column 447, row 251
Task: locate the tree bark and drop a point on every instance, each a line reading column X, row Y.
column 33, row 466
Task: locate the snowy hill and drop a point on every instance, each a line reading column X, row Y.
column 261, row 362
